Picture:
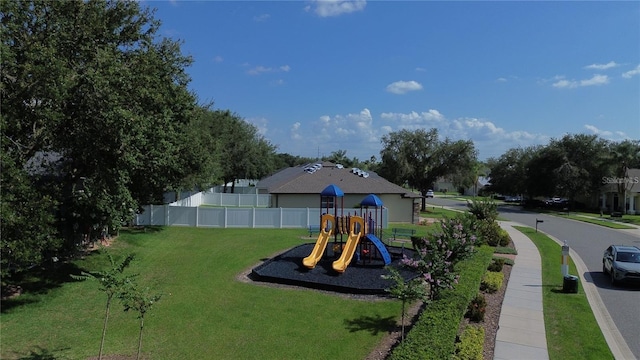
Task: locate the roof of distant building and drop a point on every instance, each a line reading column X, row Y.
column 315, row 177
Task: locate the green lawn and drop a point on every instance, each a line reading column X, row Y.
column 205, row 312
column 571, row 328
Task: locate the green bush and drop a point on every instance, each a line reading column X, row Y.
column 489, row 232
column 492, row 281
column 483, row 209
column 471, row 344
column 496, row 264
column 477, row 308
column 433, row 335
column 504, row 239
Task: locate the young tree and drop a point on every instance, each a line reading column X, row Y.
column 439, row 252
column 405, row 291
column 140, row 301
column 112, row 282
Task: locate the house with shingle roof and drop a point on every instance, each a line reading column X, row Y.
column 300, row 187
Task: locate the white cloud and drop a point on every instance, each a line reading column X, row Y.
column 609, row 65
column 414, row 117
column 501, row 79
column 295, row 135
column 402, row 87
column 257, row 70
column 421, row 69
column 218, row 59
column 261, row 124
column 607, row 134
column 565, row 84
column 596, row 79
column 629, row 74
column 261, row 17
column 360, row 133
column 327, row 8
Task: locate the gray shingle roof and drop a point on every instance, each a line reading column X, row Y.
column 295, row 180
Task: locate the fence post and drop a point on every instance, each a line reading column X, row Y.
column 166, row 215
column 225, row 217
column 197, row 212
column 253, row 217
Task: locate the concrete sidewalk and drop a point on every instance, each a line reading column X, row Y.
column 521, row 334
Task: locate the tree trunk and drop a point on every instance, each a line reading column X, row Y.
column 140, row 337
column 104, row 327
column 424, row 200
column 403, row 311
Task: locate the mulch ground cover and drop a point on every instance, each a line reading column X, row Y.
column 362, row 276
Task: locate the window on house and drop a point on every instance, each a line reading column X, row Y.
column 328, row 202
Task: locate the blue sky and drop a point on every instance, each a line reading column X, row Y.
column 321, row 76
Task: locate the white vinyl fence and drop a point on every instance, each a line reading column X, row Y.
column 224, row 199
column 233, row 211
column 232, row 217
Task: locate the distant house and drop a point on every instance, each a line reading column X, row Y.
column 300, row 186
column 445, row 185
column 611, row 198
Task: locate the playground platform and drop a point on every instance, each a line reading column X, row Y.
column 361, row 277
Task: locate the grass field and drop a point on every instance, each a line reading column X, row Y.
column 571, row 328
column 204, row 313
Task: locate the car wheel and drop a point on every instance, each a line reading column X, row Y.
column 613, row 277
column 604, row 269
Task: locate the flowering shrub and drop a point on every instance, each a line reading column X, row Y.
column 437, row 254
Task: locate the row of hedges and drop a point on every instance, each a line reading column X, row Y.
column 433, row 336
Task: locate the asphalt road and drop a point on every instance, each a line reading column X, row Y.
column 589, row 242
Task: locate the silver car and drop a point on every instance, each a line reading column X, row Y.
column 622, row 263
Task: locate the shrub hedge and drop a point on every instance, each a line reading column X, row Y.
column 471, row 344
column 433, row 336
column 492, row 281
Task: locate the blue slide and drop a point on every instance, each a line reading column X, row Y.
column 383, row 249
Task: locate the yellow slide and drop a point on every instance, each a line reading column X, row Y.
column 316, row 254
column 341, row 264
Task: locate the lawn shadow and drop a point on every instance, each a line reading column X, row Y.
column 37, row 281
column 372, row 324
column 149, row 229
column 38, row 354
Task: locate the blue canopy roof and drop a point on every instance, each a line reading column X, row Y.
column 371, row 200
column 332, row 190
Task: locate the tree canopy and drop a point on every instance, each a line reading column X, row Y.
column 418, row 158
column 572, row 165
column 95, row 112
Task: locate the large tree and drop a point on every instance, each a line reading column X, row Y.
column 509, row 171
column 90, row 86
column 244, row 153
column 418, row 158
column 582, row 164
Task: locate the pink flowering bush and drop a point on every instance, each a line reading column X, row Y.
column 439, row 252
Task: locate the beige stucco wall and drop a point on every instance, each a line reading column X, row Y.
column 399, row 209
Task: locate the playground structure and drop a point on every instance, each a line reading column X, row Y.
column 362, row 232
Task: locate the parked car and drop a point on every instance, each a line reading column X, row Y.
column 622, row 263
column 429, row 193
